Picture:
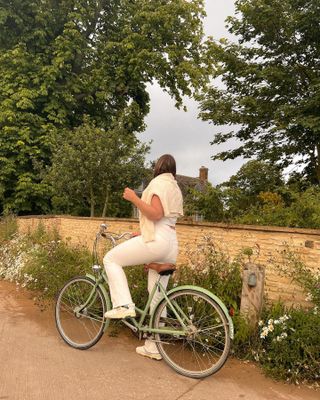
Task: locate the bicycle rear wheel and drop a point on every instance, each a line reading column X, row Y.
column 79, row 313
column 205, row 347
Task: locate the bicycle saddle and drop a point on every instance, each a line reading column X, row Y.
column 162, row 269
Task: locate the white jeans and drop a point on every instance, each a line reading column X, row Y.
column 164, row 249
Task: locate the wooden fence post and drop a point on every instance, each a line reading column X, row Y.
column 252, row 292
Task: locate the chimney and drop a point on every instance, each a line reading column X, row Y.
column 203, row 174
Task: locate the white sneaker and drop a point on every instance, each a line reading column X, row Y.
column 149, row 350
column 144, row 352
column 121, row 312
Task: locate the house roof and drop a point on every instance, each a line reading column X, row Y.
column 187, row 182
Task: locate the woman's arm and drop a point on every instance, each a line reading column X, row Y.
column 154, row 211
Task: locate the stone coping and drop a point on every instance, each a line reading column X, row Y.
column 261, row 228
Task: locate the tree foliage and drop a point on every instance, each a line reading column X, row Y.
column 91, row 167
column 272, row 83
column 257, row 194
column 241, row 191
column 208, row 203
column 303, row 211
column 60, row 60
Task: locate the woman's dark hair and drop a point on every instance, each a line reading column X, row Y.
column 165, row 163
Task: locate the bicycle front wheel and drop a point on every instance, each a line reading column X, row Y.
column 79, row 313
column 204, row 348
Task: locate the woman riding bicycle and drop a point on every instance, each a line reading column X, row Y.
column 159, row 207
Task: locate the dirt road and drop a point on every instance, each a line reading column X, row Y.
column 35, row 364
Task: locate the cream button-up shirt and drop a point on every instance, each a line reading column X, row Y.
column 166, row 188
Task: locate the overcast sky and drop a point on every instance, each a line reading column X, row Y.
column 181, row 133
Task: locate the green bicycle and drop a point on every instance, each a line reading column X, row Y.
column 190, row 325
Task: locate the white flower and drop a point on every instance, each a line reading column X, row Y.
column 264, row 333
column 284, row 318
column 309, row 297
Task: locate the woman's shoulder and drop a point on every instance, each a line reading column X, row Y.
column 163, row 182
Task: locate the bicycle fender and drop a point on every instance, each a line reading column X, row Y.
column 106, row 296
column 212, row 296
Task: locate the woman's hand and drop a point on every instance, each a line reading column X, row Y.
column 129, row 194
column 135, row 234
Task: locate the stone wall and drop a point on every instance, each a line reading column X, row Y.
column 267, row 242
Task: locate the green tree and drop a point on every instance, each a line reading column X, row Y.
column 303, row 211
column 207, row 202
column 90, row 169
column 241, row 191
column 62, row 59
column 272, row 84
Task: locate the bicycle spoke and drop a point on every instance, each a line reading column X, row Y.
column 79, row 313
column 205, row 346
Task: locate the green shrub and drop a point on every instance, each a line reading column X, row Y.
column 289, row 346
column 13, row 256
column 293, row 267
column 211, row 268
column 8, row 227
column 52, row 264
column 245, row 338
column 42, row 262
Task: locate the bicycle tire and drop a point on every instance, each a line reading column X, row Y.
column 80, row 329
column 206, row 347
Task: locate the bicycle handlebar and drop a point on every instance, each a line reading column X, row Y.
column 111, row 235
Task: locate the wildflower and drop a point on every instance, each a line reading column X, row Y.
column 309, row 297
column 284, row 318
column 264, row 333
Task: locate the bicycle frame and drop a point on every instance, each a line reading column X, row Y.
column 137, row 324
